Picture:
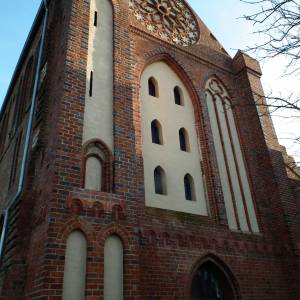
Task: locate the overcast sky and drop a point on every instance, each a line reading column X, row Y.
column 222, row 18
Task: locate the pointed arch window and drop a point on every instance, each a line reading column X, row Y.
column 160, row 181
column 210, row 282
column 184, row 140
column 153, row 87
column 156, row 132
column 178, row 95
column 189, row 188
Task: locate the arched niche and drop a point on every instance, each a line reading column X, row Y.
column 180, row 151
column 232, row 164
column 113, row 268
column 97, row 166
column 75, row 267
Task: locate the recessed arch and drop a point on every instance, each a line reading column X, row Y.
column 97, row 166
column 179, row 69
column 156, row 132
column 222, row 80
column 238, row 196
column 184, row 140
column 75, row 266
column 153, row 89
column 189, row 188
column 212, row 279
column 172, row 118
column 160, row 181
column 113, row 268
column 178, row 95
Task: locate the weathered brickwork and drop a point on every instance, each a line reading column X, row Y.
column 162, row 249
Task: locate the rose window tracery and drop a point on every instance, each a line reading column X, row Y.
column 170, row 20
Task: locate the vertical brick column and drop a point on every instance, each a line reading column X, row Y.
column 272, row 195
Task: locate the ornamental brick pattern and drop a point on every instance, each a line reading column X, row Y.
column 170, row 20
column 162, row 249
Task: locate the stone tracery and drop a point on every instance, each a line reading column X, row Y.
column 170, row 20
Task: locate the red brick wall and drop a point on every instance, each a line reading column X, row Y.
column 161, row 248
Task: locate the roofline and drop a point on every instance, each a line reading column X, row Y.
column 30, row 38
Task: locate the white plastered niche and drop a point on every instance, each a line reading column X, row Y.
column 175, row 162
column 98, row 115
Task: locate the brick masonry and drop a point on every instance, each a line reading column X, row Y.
column 162, row 249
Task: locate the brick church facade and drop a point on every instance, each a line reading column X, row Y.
column 134, row 163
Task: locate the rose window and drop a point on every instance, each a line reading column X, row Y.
column 170, row 20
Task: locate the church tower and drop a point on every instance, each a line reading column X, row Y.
column 134, row 163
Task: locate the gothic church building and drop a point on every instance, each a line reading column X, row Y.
column 134, row 163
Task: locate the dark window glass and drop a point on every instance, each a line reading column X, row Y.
column 152, row 87
column 188, row 187
column 177, row 96
column 209, row 283
column 91, row 84
column 95, row 18
column 156, row 133
column 182, row 140
column 160, row 181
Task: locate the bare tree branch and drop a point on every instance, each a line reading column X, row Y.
column 277, row 22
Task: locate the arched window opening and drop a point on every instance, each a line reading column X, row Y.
column 97, row 167
column 210, row 283
column 184, row 140
column 178, row 96
column 189, row 188
column 75, row 267
column 160, row 181
column 113, row 268
column 152, row 87
column 28, row 83
column 156, row 132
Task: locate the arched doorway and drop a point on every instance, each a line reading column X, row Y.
column 210, row 282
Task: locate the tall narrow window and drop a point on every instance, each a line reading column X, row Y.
column 156, row 132
column 95, row 18
column 113, row 269
column 75, row 267
column 91, row 84
column 178, row 96
column 184, row 140
column 160, row 181
column 189, row 188
column 152, row 87
column 14, row 165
